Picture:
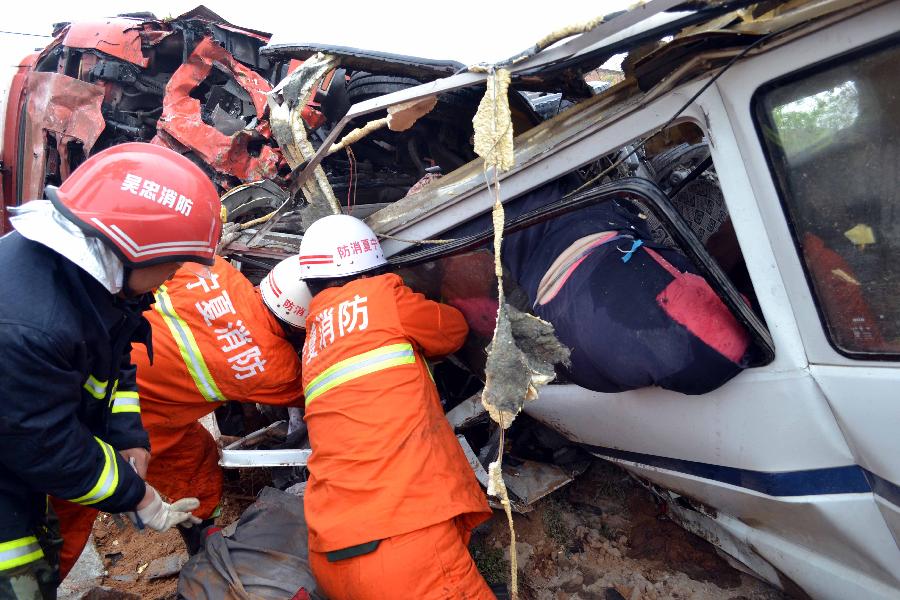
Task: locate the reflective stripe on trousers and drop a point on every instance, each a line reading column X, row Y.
column 108, row 480
column 187, row 346
column 22, row 551
column 126, row 402
column 359, row 365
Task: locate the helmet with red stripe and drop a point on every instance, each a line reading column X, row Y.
column 285, row 293
column 148, row 203
column 338, row 246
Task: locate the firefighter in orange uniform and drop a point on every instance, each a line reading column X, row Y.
column 213, row 341
column 391, row 499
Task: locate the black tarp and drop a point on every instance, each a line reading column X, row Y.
column 265, row 557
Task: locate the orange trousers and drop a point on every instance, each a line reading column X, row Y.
column 428, row 564
column 188, row 468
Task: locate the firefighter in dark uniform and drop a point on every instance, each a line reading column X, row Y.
column 76, row 275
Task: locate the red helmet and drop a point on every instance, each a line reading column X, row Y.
column 148, row 203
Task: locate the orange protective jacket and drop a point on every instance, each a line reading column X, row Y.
column 385, row 460
column 213, row 340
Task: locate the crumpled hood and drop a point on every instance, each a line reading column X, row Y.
column 40, row 222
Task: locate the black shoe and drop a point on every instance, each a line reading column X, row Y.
column 195, row 537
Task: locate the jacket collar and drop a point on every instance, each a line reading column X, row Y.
column 40, row 222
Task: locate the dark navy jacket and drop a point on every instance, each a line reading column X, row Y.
column 610, row 311
column 68, row 399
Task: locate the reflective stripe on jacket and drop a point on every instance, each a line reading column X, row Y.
column 385, row 460
column 213, row 341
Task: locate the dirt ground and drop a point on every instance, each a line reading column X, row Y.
column 603, row 537
column 127, row 552
column 600, row 537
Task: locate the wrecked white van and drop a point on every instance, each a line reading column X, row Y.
column 787, row 117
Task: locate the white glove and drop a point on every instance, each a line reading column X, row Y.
column 160, row 516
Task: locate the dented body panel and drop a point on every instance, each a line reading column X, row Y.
column 60, row 111
column 13, row 132
column 121, row 37
column 792, row 467
column 181, row 117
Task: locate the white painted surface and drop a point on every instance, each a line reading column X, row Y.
column 760, row 420
column 819, row 576
column 841, row 537
column 866, row 403
column 736, row 89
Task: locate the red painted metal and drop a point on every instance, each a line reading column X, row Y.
column 181, row 120
column 10, row 151
column 58, row 110
column 120, row 37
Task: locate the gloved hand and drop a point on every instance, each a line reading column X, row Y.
column 160, row 516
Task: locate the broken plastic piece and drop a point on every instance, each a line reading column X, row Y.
column 861, row 235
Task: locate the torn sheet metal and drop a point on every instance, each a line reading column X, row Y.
column 242, row 454
column 60, row 112
column 482, row 476
column 530, row 480
column 294, row 457
column 467, row 413
column 286, row 103
column 120, row 37
column 182, row 119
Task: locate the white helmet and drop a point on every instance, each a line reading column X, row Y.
column 285, row 293
column 337, row 246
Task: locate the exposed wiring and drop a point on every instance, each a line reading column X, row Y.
column 406, row 241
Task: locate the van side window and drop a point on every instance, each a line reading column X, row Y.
column 832, row 137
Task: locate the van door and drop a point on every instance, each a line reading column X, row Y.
column 831, row 134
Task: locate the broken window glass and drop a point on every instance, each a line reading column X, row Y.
column 832, row 134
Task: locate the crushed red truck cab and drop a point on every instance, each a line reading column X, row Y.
column 199, row 85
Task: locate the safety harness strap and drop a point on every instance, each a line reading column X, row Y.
column 362, row 364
